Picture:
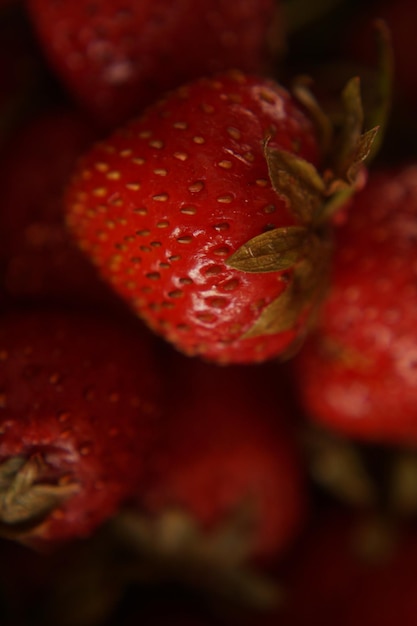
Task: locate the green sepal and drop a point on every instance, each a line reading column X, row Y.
column 377, row 112
column 361, row 153
column 351, row 128
column 273, row 251
column 301, row 89
column 305, row 289
column 297, row 180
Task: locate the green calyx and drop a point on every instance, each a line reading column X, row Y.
column 302, row 252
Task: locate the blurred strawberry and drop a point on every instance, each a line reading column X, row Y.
column 357, row 372
column 77, row 413
column 225, row 489
column 38, row 260
column 116, row 57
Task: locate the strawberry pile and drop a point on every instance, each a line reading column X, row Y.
column 208, row 304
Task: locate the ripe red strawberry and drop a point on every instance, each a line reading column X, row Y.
column 162, row 205
column 225, row 467
column 77, row 412
column 116, row 57
column 357, row 373
column 37, row 257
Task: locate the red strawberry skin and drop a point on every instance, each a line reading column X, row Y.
column 79, row 394
column 357, row 372
column 123, row 55
column 162, row 204
column 225, row 449
column 38, row 258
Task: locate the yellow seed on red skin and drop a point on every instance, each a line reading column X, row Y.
column 196, row 187
column 181, row 156
column 234, row 132
column 177, row 293
column 133, row 186
column 99, row 192
column 207, row 108
column 225, row 199
column 160, row 197
column 101, row 167
column 156, row 143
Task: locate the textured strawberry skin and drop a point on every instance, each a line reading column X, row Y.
column 123, row 55
column 357, row 372
column 80, row 393
column 225, row 449
column 162, row 204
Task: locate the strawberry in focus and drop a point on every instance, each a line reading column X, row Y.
column 116, row 57
column 77, row 412
column 161, row 206
column 357, row 372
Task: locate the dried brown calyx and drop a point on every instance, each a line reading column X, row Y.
column 26, row 498
column 313, row 197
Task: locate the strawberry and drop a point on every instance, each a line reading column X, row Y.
column 115, row 57
column 38, row 259
column 207, row 209
column 225, row 479
column 77, row 413
column 161, row 206
column 357, row 372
